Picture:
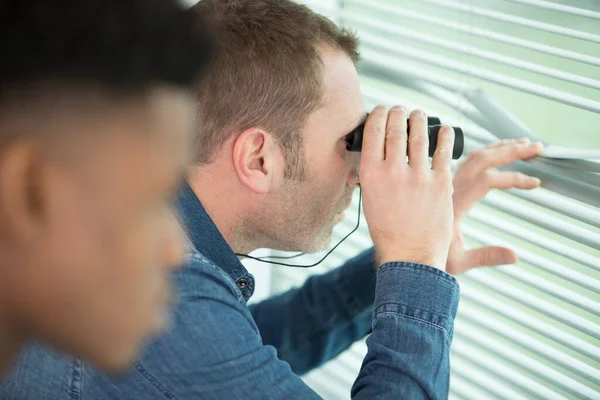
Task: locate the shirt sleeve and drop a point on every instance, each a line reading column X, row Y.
column 409, row 350
column 312, row 324
column 215, row 350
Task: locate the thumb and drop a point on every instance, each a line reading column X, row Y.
column 488, row 256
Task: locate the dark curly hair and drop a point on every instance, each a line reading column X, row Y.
column 121, row 47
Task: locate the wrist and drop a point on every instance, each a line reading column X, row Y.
column 425, row 258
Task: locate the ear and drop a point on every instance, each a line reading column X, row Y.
column 22, row 205
column 256, row 159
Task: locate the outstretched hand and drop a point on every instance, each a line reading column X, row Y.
column 474, row 178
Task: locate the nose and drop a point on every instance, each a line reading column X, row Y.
column 174, row 248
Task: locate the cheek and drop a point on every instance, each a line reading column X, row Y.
column 329, row 179
column 129, row 255
column 109, row 267
column 323, row 199
column 108, row 256
column 73, row 240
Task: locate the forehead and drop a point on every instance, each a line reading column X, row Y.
column 162, row 144
column 343, row 105
column 141, row 143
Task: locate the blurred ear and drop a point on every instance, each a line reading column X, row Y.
column 22, row 201
column 257, row 159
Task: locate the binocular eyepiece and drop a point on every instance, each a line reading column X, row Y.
column 355, row 138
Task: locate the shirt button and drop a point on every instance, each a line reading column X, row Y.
column 242, row 283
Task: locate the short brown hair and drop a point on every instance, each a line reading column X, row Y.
column 267, row 73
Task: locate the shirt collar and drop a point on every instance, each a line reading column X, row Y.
column 208, row 240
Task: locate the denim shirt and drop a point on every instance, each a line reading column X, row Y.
column 221, row 348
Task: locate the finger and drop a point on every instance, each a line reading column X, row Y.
column 505, row 142
column 508, row 180
column 488, row 256
column 442, row 158
column 418, row 140
column 509, row 153
column 374, row 136
column 396, row 136
column 480, row 160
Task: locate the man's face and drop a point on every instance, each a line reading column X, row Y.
column 309, row 209
column 95, row 280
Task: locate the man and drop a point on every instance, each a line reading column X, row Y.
column 95, row 120
column 273, row 171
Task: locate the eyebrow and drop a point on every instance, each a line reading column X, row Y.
column 362, row 120
column 357, row 122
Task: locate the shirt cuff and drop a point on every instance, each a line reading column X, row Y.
column 417, row 291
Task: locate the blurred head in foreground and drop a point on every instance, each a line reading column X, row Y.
column 96, row 119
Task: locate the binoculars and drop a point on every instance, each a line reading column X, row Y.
column 355, row 138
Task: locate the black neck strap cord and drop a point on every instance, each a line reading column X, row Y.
column 263, row 259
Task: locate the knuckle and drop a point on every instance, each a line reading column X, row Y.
column 502, row 143
column 377, row 130
column 396, row 132
column 441, row 152
column 522, row 179
column 447, row 174
column 486, row 178
column 475, row 156
column 486, row 259
column 417, row 139
column 420, row 179
column 392, row 171
column 444, row 178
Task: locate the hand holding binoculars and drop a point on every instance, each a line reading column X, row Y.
column 355, row 138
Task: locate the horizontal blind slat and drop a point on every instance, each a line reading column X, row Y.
column 468, row 390
column 534, row 259
column 541, row 306
column 536, row 368
column 551, row 288
column 543, row 220
column 536, row 239
column 524, row 383
column 483, row 319
column 494, row 389
column 548, row 5
column 482, row 73
column 512, row 19
column 535, row 324
column 388, row 29
column 559, row 204
column 470, row 30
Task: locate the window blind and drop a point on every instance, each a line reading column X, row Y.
column 499, row 69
